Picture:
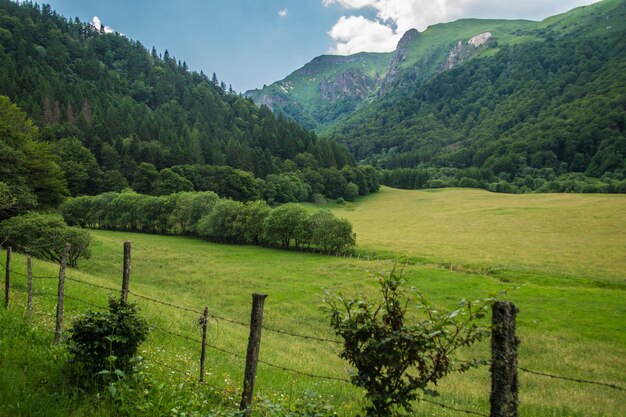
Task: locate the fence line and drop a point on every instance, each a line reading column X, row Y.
column 164, row 303
column 274, row 330
column 239, row 323
column 91, row 284
column 302, row 336
column 215, row 316
column 581, row 381
column 565, row 378
column 240, row 356
column 294, row 371
column 270, row 329
column 38, row 293
column 34, row 276
column 221, row 318
column 181, row 336
column 89, row 303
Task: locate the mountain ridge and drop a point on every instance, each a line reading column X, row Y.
column 524, row 102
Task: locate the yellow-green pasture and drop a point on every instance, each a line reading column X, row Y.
column 574, row 330
column 582, row 235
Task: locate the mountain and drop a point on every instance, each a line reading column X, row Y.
column 110, row 111
column 331, row 87
column 518, row 100
column 325, row 89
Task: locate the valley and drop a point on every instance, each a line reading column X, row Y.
column 569, row 322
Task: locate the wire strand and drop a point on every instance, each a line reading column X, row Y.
column 566, row 378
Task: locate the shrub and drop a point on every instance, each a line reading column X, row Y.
column 351, row 192
column 331, row 234
column 383, row 342
column 249, row 221
column 100, row 340
column 280, row 226
column 45, row 236
column 220, row 225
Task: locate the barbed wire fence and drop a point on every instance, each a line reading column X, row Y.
column 202, row 342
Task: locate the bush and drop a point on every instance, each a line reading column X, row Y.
column 281, row 225
column 331, row 234
column 383, row 341
column 101, row 340
column 351, row 192
column 220, row 225
column 45, row 236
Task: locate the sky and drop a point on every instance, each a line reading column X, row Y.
column 249, row 43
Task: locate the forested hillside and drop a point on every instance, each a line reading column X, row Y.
column 522, row 112
column 114, row 114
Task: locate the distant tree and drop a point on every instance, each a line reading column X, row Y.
column 282, row 223
column 113, row 181
column 221, row 224
column 80, row 168
column 146, row 176
column 170, row 182
column 45, row 236
column 27, row 167
column 249, row 221
column 330, row 234
column 351, row 192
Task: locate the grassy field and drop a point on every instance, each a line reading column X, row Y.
column 575, row 235
column 569, row 324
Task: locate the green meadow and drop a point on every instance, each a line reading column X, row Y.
column 560, row 257
column 572, row 235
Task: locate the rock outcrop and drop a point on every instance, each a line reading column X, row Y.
column 399, row 56
column 349, row 84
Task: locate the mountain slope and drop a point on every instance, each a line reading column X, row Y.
column 325, row 89
column 553, row 99
column 127, row 105
column 329, row 88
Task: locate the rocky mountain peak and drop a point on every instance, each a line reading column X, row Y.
column 399, row 56
column 408, row 36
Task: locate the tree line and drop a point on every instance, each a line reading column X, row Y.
column 544, row 180
column 206, row 215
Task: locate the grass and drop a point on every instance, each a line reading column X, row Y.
column 569, row 324
column 571, row 235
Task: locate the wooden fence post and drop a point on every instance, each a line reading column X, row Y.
column 126, row 274
column 504, row 342
column 61, row 295
column 205, row 320
column 7, row 278
column 254, row 347
column 29, row 273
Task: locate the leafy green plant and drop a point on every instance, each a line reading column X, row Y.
column 103, row 344
column 45, row 236
column 398, row 351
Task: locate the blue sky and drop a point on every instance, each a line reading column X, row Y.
column 248, row 43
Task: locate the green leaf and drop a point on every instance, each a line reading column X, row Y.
column 112, row 390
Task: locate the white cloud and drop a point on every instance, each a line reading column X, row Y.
column 394, row 17
column 355, row 34
column 97, row 23
column 282, row 12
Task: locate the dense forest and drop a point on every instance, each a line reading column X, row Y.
column 534, row 110
column 109, row 114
